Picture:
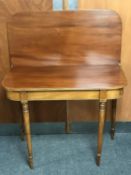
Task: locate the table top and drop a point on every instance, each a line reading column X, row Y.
column 77, row 77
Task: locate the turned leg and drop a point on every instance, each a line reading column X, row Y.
column 113, row 118
column 27, row 132
column 102, row 112
column 67, row 123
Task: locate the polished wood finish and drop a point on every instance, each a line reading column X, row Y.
column 27, row 128
column 9, row 112
column 65, row 95
column 53, row 49
column 49, row 78
column 102, row 112
column 91, row 70
column 89, row 108
column 60, row 51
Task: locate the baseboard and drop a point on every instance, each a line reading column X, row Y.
column 59, row 128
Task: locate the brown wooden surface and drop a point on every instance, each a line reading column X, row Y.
column 9, row 111
column 65, row 38
column 100, row 70
column 65, row 51
column 77, row 110
column 26, row 117
column 64, row 95
column 89, row 109
column 80, row 77
column 102, row 117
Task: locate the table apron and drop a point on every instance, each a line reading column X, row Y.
column 63, row 95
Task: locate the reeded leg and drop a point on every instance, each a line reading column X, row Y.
column 102, row 112
column 27, row 132
column 67, row 123
column 113, row 119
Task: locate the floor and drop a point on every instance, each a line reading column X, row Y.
column 61, row 154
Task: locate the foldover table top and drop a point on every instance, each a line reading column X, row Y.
column 80, row 77
column 65, row 51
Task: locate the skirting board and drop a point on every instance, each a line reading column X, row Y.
column 58, row 128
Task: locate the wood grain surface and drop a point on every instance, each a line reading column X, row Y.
column 59, row 78
column 10, row 111
column 65, row 38
column 77, row 110
column 89, row 108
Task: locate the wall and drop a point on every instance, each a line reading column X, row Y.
column 56, row 111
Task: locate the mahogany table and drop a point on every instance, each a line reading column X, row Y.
column 65, row 56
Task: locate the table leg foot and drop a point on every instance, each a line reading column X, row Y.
column 98, row 159
column 30, row 161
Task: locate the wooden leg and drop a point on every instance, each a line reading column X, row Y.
column 67, row 123
column 113, row 119
column 27, row 132
column 22, row 130
column 22, row 134
column 102, row 112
